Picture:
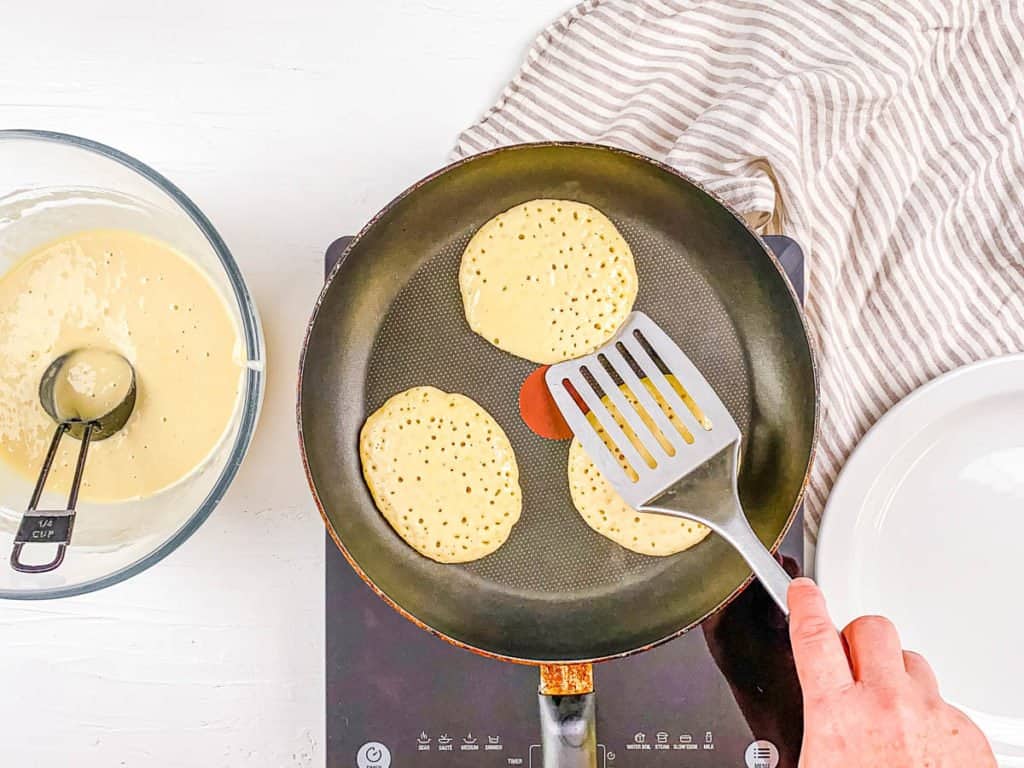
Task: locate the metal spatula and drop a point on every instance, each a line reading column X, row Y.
column 684, row 466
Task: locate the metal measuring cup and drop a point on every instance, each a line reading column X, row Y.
column 55, row 526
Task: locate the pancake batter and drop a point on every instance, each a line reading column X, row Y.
column 90, row 384
column 122, row 292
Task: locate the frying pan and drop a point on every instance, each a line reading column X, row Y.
column 557, row 594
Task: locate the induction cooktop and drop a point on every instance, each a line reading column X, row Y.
column 724, row 695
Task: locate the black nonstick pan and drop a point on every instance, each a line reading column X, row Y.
column 557, row 594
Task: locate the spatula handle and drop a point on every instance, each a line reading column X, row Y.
column 769, row 571
column 725, row 517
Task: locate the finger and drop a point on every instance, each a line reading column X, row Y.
column 821, row 663
column 920, row 671
column 875, row 651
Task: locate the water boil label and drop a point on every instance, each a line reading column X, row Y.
column 45, row 528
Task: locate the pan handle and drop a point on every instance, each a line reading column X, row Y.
column 567, row 723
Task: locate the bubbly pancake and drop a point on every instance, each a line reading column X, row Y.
column 548, row 280
column 442, row 473
column 607, row 513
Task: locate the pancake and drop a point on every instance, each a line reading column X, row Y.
column 547, row 280
column 442, row 473
column 604, row 509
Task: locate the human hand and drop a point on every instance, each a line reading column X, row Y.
column 867, row 702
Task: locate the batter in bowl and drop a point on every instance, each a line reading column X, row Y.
column 127, row 293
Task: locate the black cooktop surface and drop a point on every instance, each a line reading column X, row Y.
column 721, row 696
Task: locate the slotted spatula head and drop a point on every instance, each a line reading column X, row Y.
column 661, row 445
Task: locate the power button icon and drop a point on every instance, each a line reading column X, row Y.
column 373, row 754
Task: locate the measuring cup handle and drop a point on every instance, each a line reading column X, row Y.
column 45, row 526
column 21, row 567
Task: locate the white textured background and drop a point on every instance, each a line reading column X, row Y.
column 289, row 124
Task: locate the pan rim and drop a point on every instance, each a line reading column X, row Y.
column 767, row 251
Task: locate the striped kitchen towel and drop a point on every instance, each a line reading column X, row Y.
column 886, row 137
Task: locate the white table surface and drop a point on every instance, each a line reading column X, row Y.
column 289, row 124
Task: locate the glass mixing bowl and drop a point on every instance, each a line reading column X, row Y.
column 52, row 185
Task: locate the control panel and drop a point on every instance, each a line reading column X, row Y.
column 487, row 749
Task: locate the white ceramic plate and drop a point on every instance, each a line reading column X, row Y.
column 926, row 526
